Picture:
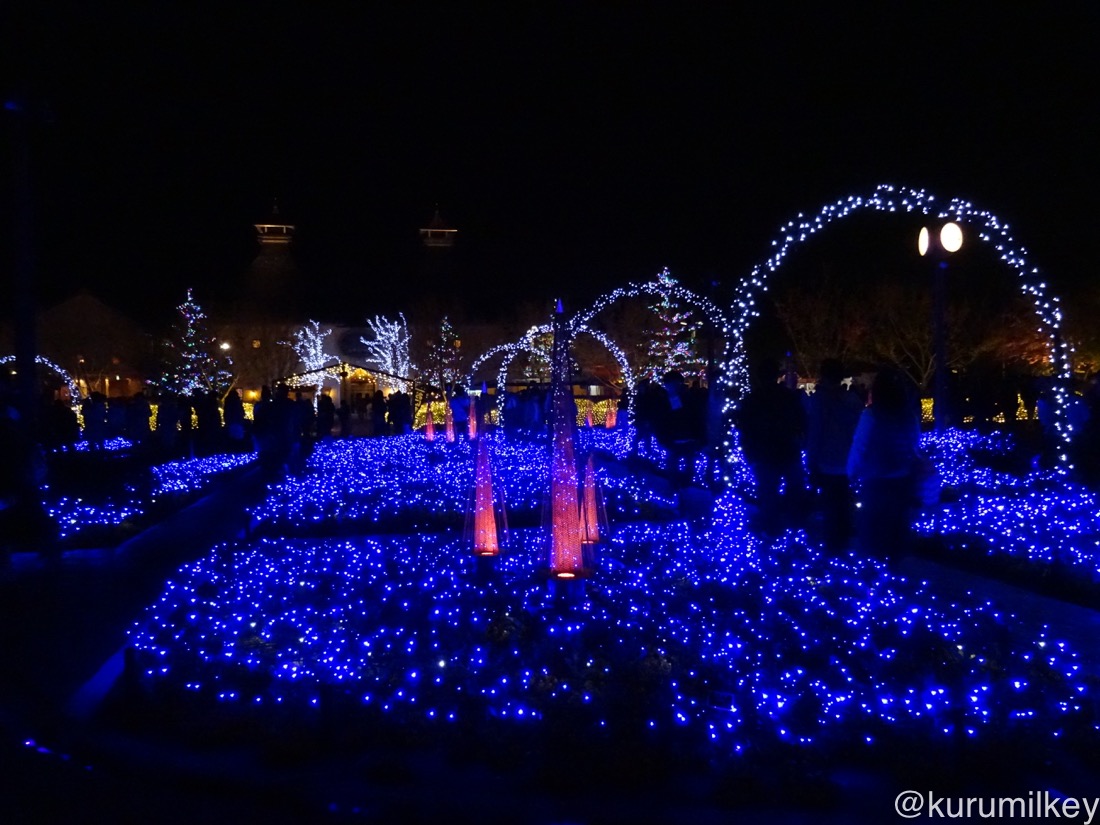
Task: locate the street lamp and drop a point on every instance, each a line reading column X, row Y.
column 939, row 246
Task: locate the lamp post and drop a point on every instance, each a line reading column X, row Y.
column 939, row 246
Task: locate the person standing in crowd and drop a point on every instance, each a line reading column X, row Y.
column 460, row 411
column 880, row 464
column 674, row 431
column 343, row 413
column 833, row 415
column 326, row 416
column 400, row 412
column 233, row 413
column 771, row 421
column 378, row 413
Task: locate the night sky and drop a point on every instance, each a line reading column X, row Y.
column 575, row 146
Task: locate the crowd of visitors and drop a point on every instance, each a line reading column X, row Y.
column 813, row 455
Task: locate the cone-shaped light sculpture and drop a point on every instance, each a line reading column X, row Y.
column 483, row 524
column 566, row 554
column 592, row 520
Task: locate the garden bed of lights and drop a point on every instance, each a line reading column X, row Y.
column 1036, row 528
column 702, row 645
column 101, row 497
column 405, row 483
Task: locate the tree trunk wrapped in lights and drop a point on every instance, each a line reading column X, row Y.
column 449, row 423
column 612, row 416
column 472, row 428
column 566, row 556
column 429, row 425
column 485, row 520
column 588, row 417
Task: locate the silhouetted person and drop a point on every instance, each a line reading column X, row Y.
column 326, row 416
column 673, row 427
column 138, row 414
column 399, row 412
column 233, row 414
column 24, row 522
column 460, row 411
column 880, row 464
column 302, row 432
column 186, row 439
column 378, row 413
column 58, row 424
column 833, row 413
column 209, row 422
column 772, row 424
column 343, row 413
column 94, row 411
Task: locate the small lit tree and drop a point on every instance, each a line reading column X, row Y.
column 673, row 344
column 192, row 362
column 309, row 344
column 539, row 344
column 389, row 351
column 443, row 361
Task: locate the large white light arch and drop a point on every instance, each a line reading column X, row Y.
column 889, row 198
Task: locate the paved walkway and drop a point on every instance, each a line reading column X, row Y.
column 66, row 626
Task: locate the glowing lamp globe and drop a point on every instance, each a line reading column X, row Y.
column 922, row 241
column 951, row 237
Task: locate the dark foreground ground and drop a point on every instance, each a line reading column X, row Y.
column 64, row 631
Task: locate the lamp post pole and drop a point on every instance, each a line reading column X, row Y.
column 939, row 246
column 939, row 324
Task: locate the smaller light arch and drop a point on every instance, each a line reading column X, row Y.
column 74, row 391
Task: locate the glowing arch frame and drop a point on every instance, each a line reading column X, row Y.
column 511, row 350
column 74, row 391
column 578, row 324
column 890, row 198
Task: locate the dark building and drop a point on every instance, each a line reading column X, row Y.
column 273, row 277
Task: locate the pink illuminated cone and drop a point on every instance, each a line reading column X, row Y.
column 429, row 427
column 612, row 416
column 566, row 553
column 591, row 512
column 472, row 431
column 588, row 418
column 450, row 424
column 485, row 529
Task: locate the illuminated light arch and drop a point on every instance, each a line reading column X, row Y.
column 74, row 391
column 490, row 353
column 717, row 318
column 524, row 344
column 579, row 324
column 889, row 198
